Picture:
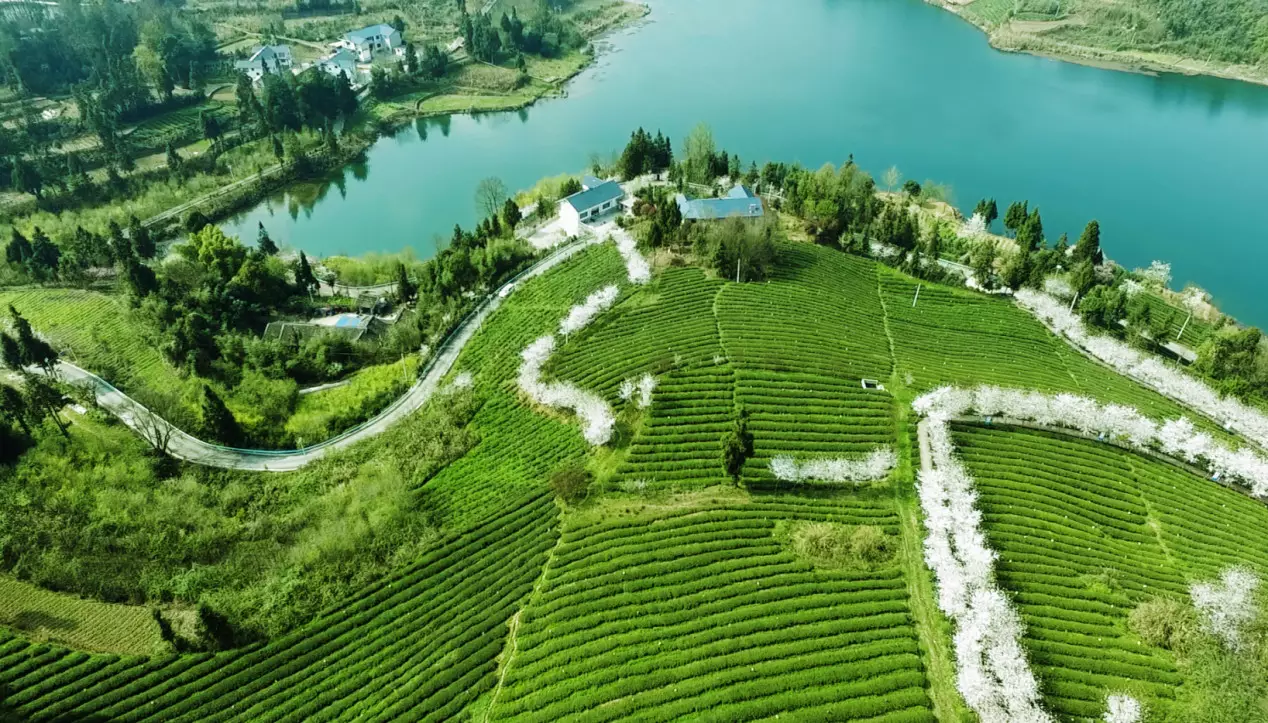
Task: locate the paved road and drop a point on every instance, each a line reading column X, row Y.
column 191, row 449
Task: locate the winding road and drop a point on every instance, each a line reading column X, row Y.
column 186, row 447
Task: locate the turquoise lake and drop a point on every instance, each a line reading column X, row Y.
column 1173, row 167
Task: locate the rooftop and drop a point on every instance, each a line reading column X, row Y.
column 739, row 202
column 371, row 31
column 595, row 196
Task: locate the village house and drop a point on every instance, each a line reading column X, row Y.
column 340, row 61
column 738, row 202
column 369, row 43
column 596, row 198
column 267, row 60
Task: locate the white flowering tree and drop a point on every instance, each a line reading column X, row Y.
column 1228, row 606
column 874, row 466
column 1122, row 708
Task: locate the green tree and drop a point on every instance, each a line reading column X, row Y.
column 27, row 178
column 13, row 405
column 511, row 216
column 32, row 349
column 45, row 256
column 42, row 395
column 988, row 210
column 218, row 423
column 982, row 261
column 263, row 243
column 911, row 188
column 305, row 280
column 743, row 249
column 211, row 127
column 141, row 279
column 142, row 242
column 406, row 290
column 1030, row 233
column 1088, row 247
column 737, row 445
column 18, row 252
column 1016, row 215
column 699, row 152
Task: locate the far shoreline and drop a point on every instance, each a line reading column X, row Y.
column 1114, row 60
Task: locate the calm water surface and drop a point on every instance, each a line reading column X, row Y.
column 1172, row 167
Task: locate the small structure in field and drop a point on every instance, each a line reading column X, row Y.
column 355, row 327
column 596, row 198
column 738, row 202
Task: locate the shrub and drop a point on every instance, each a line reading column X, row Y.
column 870, row 545
column 571, row 483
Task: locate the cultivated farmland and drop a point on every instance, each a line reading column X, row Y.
column 667, row 590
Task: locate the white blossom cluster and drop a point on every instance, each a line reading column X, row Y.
column 644, row 386
column 1148, row 369
column 461, row 380
column 635, row 265
column 1158, row 273
column 974, row 227
column 1228, row 606
column 1122, row 708
column 582, row 314
column 1175, row 437
column 1132, row 287
column 1058, row 287
column 992, row 672
column 874, row 466
column 597, row 420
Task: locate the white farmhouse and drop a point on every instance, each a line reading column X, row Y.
column 270, row 59
column 596, row 198
column 367, row 43
column 340, row 61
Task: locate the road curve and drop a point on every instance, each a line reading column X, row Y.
column 186, row 447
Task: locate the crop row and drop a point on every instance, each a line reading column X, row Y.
column 416, row 644
column 699, row 611
column 1078, row 552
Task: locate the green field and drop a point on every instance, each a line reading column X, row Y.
column 1085, row 533
column 673, row 592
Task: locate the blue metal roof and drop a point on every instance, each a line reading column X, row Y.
column 596, row 196
column 739, row 201
column 371, row 31
column 588, row 181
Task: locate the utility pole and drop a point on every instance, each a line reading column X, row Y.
column 737, row 268
column 916, row 298
column 1184, row 326
column 1074, row 301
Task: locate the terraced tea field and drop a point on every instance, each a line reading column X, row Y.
column 420, row 646
column 1085, row 533
column 671, row 592
column 700, row 613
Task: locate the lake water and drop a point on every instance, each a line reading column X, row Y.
column 1173, row 167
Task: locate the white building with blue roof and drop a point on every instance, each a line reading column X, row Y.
column 370, row 42
column 738, row 202
column 596, row 198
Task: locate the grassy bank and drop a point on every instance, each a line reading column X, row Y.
column 1092, row 32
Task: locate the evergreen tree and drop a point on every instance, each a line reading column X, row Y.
column 987, row 209
column 32, row 350
column 264, row 243
column 1016, row 215
column 1030, row 233
column 218, row 422
column 45, row 257
column 278, row 152
column 406, row 290
column 18, row 252
column 13, row 405
column 305, row 280
column 141, row 278
column 511, row 214
column 44, row 398
column 1089, row 246
column 737, row 446
column 27, row 178
column 175, row 164
column 142, row 242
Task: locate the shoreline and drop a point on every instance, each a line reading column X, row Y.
column 1107, row 59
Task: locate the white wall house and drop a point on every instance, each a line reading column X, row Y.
column 269, row 59
column 340, row 61
column 595, row 199
column 369, row 43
